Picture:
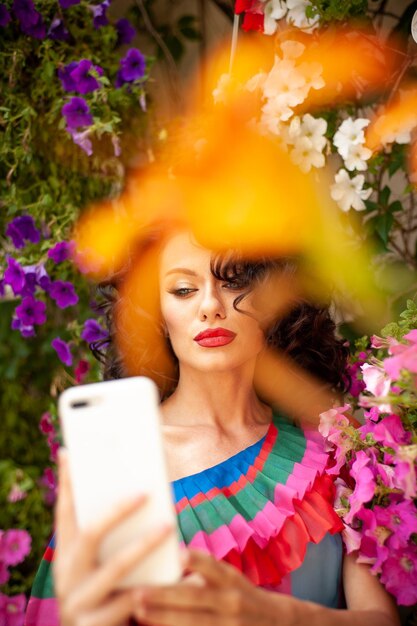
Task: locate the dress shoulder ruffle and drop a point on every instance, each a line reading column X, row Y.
column 260, row 508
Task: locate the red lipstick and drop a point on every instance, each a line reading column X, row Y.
column 214, row 337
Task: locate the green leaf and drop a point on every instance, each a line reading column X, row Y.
column 384, row 195
column 395, row 206
column 190, row 33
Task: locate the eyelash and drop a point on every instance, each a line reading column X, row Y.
column 183, row 292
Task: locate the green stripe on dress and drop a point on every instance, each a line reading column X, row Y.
column 214, row 513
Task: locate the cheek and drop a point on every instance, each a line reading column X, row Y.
column 175, row 319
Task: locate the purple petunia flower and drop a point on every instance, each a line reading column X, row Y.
column 99, row 13
column 117, row 149
column 66, row 4
column 63, row 293
column 36, row 275
column 84, row 82
column 77, row 113
column 31, row 311
column 12, row 609
column 82, row 139
column 25, row 12
column 63, row 350
column 25, row 331
column 125, row 31
column 92, row 331
column 22, row 229
column 132, row 66
column 5, row 16
column 14, row 546
column 61, row 251
column 58, row 31
column 36, row 30
column 14, row 276
column 64, row 75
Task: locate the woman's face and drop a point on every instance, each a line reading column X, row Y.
column 207, row 333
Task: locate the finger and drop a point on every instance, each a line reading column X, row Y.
column 216, row 573
column 113, row 613
column 105, row 579
column 225, row 601
column 173, row 617
column 66, row 524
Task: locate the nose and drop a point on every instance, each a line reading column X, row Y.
column 212, row 306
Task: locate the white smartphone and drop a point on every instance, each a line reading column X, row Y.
column 112, row 431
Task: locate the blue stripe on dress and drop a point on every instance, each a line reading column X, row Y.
column 222, row 474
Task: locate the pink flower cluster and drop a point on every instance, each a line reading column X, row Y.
column 12, row 609
column 14, row 547
column 376, row 466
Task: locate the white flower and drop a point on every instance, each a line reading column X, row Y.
column 350, row 133
column 219, row 93
column 357, row 157
column 312, row 73
column 314, row 128
column 274, row 10
column 305, row 155
column 348, row 192
column 284, row 88
column 306, row 134
column 256, row 82
column 297, row 15
column 399, row 134
column 292, row 49
column 273, row 113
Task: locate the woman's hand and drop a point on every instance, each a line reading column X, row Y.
column 224, row 598
column 85, row 591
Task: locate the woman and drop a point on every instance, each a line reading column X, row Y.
column 250, row 487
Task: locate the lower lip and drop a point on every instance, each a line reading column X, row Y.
column 215, row 342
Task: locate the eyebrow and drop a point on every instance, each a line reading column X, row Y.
column 181, row 270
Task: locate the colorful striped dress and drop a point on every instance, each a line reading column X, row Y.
column 267, row 510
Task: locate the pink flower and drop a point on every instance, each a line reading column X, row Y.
column 404, row 357
column 46, row 426
column 405, row 470
column 373, row 549
column 81, row 371
column 333, row 418
column 399, row 575
column 364, row 487
column 375, row 379
column 389, row 431
column 351, row 538
column 48, row 481
column 372, row 414
column 334, row 427
column 16, row 494
column 383, row 342
column 356, row 385
column 14, row 546
column 12, row 610
column 401, row 519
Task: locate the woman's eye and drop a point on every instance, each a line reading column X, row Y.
column 182, row 292
column 234, row 286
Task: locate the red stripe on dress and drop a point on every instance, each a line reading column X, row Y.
column 49, row 554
